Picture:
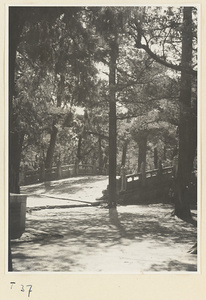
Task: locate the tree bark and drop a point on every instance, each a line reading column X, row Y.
column 187, row 125
column 51, row 148
column 16, row 142
column 16, row 22
column 142, row 144
column 112, row 123
column 164, row 153
column 155, row 158
column 50, row 151
column 124, row 152
column 100, row 154
column 79, row 148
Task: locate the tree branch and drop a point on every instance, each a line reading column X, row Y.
column 163, row 62
column 98, row 134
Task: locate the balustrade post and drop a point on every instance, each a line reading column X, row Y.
column 123, row 178
column 143, row 174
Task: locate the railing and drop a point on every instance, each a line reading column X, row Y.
column 132, row 181
column 85, row 169
column 55, row 173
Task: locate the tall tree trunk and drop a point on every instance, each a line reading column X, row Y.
column 187, row 125
column 51, row 148
column 16, row 22
column 78, row 156
column 16, row 142
column 112, row 123
column 142, row 143
column 100, row 154
column 124, row 152
column 79, row 148
column 155, row 158
column 50, row 151
column 164, row 153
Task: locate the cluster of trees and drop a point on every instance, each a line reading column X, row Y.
column 107, row 84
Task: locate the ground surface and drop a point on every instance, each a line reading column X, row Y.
column 73, row 236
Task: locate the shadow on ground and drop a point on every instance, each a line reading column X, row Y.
column 69, row 185
column 127, row 239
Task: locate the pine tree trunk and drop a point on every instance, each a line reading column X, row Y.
column 15, row 148
column 51, row 148
column 124, row 152
column 79, row 148
column 50, row 151
column 100, row 155
column 15, row 137
column 187, row 125
column 112, row 123
column 142, row 143
column 155, row 158
column 164, row 153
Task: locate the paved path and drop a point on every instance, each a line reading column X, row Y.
column 129, row 239
column 74, row 191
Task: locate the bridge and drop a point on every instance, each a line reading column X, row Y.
column 142, row 187
column 145, row 187
column 153, row 186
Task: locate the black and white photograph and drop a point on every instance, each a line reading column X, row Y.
column 103, row 140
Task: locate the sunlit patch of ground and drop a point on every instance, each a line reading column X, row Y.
column 63, row 192
column 129, row 239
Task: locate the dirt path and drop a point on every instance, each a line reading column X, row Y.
column 129, row 239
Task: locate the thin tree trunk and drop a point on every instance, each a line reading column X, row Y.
column 164, row 153
column 142, row 143
column 50, row 151
column 53, row 138
column 124, row 152
column 155, row 158
column 100, row 154
column 112, row 124
column 79, row 148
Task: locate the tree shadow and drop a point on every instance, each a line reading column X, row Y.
column 69, row 185
column 74, row 232
column 173, row 265
column 114, row 220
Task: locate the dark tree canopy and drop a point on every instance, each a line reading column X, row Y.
column 132, row 71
